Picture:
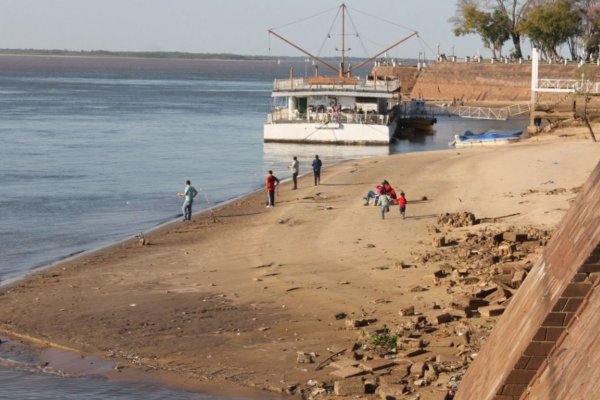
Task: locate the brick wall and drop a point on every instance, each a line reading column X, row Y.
column 550, row 305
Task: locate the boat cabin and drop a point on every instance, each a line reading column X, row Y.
column 341, row 99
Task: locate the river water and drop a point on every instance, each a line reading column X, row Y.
column 93, row 150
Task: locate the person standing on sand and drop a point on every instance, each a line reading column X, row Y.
column 384, row 202
column 295, row 169
column 188, row 194
column 402, row 203
column 316, row 164
column 272, row 183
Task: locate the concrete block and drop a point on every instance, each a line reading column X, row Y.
column 442, row 318
column 417, row 369
column 518, row 278
column 407, row 311
column 514, row 237
column 304, row 358
column 391, row 391
column 349, row 387
column 491, row 311
column 439, row 241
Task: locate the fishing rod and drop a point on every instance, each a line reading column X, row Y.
column 210, row 209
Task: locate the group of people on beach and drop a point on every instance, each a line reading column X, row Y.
column 189, row 192
column 272, row 181
column 383, row 196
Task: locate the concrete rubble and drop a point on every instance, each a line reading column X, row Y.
column 427, row 353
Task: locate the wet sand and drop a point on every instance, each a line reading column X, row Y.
column 229, row 299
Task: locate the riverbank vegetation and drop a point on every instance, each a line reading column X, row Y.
column 548, row 24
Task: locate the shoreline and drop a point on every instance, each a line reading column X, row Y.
column 112, row 243
column 122, row 240
column 271, row 288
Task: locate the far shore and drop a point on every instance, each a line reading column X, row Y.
column 245, row 299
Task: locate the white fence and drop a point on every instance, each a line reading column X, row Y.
column 496, row 113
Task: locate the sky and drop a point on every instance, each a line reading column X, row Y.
column 234, row 26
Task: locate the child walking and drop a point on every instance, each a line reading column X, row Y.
column 384, row 202
column 402, row 203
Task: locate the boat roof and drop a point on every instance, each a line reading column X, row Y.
column 335, row 87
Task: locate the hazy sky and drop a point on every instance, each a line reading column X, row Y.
column 231, row 26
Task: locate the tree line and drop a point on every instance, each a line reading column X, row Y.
column 548, row 24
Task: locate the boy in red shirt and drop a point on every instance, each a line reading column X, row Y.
column 402, row 203
column 272, row 182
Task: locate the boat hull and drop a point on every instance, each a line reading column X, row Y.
column 330, row 133
column 484, row 142
column 491, row 138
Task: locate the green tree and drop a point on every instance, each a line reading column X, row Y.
column 493, row 27
column 508, row 13
column 514, row 11
column 549, row 26
column 589, row 34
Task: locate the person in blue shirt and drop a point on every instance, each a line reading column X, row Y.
column 188, row 195
column 316, row 164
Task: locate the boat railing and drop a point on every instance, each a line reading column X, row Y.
column 360, row 85
column 284, row 116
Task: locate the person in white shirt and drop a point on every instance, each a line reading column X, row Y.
column 295, row 169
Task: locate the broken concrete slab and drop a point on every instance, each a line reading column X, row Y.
column 514, row 237
column 377, row 364
column 344, row 362
column 491, row 311
column 407, row 311
column 391, row 391
column 348, row 372
column 349, row 387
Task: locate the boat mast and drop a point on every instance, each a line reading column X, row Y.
column 343, row 9
column 341, row 70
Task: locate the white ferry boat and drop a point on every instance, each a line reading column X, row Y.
column 322, row 109
column 338, row 109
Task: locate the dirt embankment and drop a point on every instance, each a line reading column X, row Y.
column 484, row 82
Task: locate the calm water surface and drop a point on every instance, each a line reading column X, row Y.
column 94, row 150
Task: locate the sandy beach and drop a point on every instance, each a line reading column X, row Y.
column 248, row 297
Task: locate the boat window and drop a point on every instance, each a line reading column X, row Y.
column 302, row 103
column 366, row 100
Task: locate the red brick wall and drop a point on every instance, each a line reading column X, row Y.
column 544, row 308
